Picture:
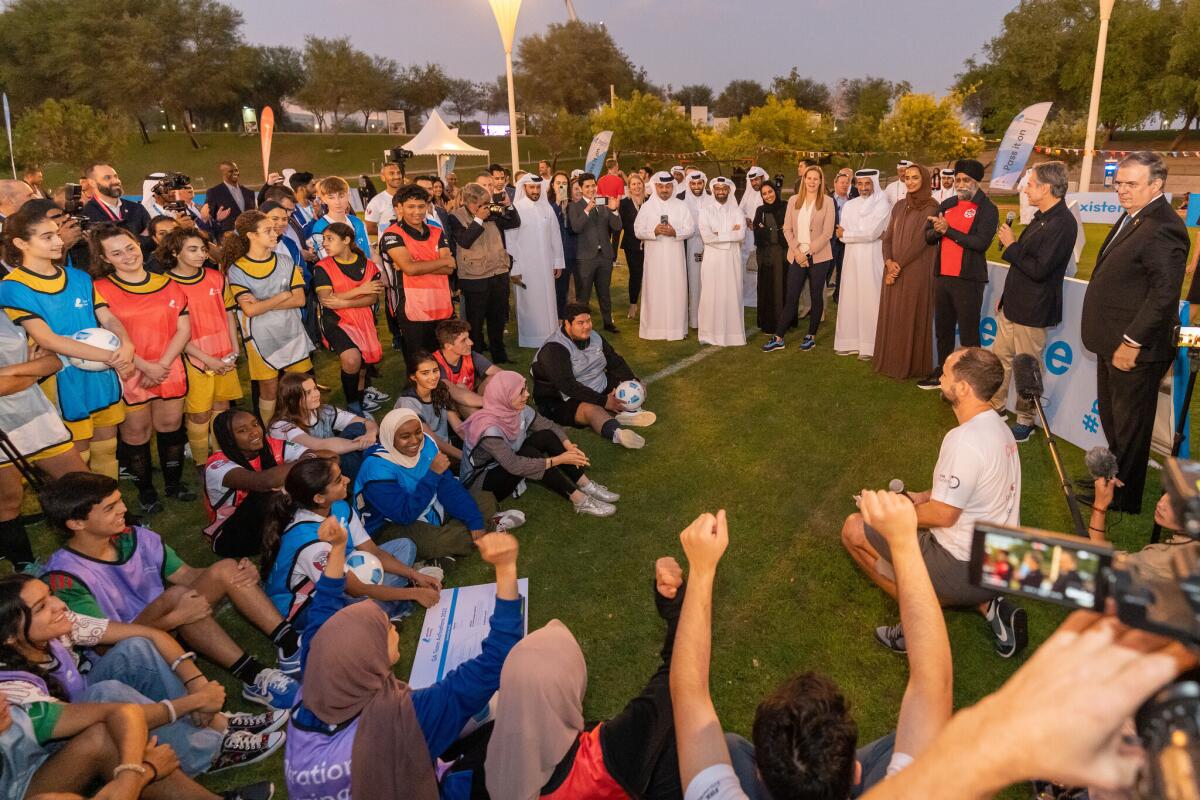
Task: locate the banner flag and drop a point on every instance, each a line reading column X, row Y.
column 1017, row 144
column 266, row 127
column 597, row 151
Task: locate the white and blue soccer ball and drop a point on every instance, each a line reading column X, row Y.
column 632, row 394
column 365, row 567
column 96, row 337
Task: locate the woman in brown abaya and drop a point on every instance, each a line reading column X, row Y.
column 904, row 336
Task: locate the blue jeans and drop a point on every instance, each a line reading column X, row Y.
column 134, row 672
column 874, row 758
column 405, row 551
column 350, row 462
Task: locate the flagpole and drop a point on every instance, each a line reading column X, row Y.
column 12, row 156
column 1085, row 169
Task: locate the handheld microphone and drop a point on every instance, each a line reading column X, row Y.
column 1027, row 374
column 1008, row 220
column 1101, row 463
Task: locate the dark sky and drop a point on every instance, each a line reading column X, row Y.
column 677, row 41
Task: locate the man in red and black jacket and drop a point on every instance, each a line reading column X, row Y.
column 962, row 231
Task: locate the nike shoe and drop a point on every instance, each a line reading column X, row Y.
column 288, row 665
column 637, row 419
column 1009, row 626
column 272, row 688
column 930, row 383
column 368, row 405
column 435, row 572
column 263, row 790
column 266, row 722
column 1022, row 432
column 376, row 395
column 594, row 508
column 891, row 637
column 508, row 520
column 240, row 748
column 628, row 439
column 809, row 343
column 600, row 492
column 776, row 343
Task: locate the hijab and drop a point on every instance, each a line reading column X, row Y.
column 350, row 659
column 923, row 196
column 499, row 410
column 387, row 438
column 539, row 713
column 777, row 209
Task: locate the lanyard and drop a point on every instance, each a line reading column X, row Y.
column 104, row 206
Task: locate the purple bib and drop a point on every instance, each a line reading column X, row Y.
column 67, row 674
column 121, row 590
column 317, row 765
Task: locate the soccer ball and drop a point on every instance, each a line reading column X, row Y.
column 365, row 567
column 632, row 394
column 96, row 337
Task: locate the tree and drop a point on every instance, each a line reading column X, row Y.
column 274, row 73
column 804, row 92
column 376, row 88
column 696, row 94
column 560, row 131
column 861, row 103
column 571, row 66
column 1179, row 90
column 69, row 132
column 333, row 66
column 645, row 123
column 1065, row 129
column 739, row 97
column 464, row 98
column 770, row 133
column 495, row 98
column 422, row 89
column 928, row 130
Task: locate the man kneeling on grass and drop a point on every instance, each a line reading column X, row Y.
column 129, row 574
column 977, row 479
column 575, row 376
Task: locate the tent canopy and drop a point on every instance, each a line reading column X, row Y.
column 437, row 139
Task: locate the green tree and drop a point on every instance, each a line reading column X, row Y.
column 495, row 98
column 804, row 92
column 333, row 66
column 738, row 97
column 769, row 134
column 571, row 66
column 68, row 132
column 1179, row 88
column 274, row 73
column 862, row 103
column 464, row 98
column 645, row 123
column 376, row 88
column 928, row 129
column 422, row 89
column 560, row 131
column 696, row 94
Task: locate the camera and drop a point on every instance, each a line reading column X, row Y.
column 397, row 155
column 169, row 187
column 1156, row 591
column 73, row 205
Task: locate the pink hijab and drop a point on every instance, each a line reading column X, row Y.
column 499, row 409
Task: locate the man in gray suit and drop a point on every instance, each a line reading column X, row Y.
column 594, row 223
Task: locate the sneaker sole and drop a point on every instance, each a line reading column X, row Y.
column 260, row 757
column 632, row 442
column 928, row 388
column 1018, row 624
column 889, row 645
column 638, row 419
column 284, row 716
column 251, row 697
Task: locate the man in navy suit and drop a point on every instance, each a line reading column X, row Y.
column 228, row 199
column 1130, row 312
column 107, row 205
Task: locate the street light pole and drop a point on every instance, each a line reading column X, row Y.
column 1085, row 173
column 506, row 19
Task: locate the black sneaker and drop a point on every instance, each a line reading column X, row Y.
column 1009, row 626
column 266, row 722
column 263, row 790
column 930, row 383
column 240, row 748
column 611, row 328
column 150, row 505
column 180, row 492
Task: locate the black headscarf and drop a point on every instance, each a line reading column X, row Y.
column 776, row 209
column 223, row 434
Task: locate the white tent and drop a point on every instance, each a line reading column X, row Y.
column 438, row 139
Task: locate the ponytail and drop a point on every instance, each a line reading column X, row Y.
column 305, row 480
column 279, row 512
column 236, row 243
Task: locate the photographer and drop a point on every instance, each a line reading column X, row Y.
column 1032, row 300
column 477, row 230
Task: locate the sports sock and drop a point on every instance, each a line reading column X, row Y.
column 246, row 668
column 197, row 436
column 14, row 543
column 170, row 456
column 609, row 431
column 350, row 388
column 284, row 637
column 103, row 457
column 266, row 410
column 137, row 461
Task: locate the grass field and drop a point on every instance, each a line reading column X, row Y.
column 781, row 441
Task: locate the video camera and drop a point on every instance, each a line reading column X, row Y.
column 169, row 186
column 397, row 155
column 1161, row 596
column 73, row 205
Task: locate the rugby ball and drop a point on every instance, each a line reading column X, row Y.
column 632, row 394
column 365, row 567
column 96, row 337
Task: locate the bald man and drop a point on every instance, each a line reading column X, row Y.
column 13, row 195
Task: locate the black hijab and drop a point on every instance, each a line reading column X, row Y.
column 777, row 209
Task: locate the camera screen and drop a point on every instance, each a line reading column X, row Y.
column 1189, row 337
column 1059, row 571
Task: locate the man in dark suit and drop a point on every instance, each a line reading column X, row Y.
column 1130, row 312
column 228, row 199
column 1033, row 292
column 594, row 224
column 107, row 205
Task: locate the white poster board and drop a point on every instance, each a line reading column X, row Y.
column 1099, row 207
column 454, row 630
column 397, row 124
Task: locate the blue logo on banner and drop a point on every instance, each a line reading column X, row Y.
column 987, row 331
column 1058, row 357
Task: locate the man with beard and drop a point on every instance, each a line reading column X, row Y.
column 862, row 223
column 228, row 199
column 977, row 478
column 721, row 224
column 751, row 200
column 537, row 251
column 664, row 224
column 695, row 197
column 107, row 205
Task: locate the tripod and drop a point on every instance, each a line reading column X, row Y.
column 1193, row 354
column 31, row 474
column 1034, row 397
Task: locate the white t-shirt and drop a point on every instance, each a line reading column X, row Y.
column 717, row 782
column 214, row 473
column 979, row 471
column 380, row 211
column 289, row 431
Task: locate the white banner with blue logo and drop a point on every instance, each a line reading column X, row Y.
column 1017, row 145
column 597, row 151
column 1069, row 371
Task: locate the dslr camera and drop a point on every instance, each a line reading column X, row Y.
column 1152, row 593
column 497, row 207
column 397, row 155
column 169, row 186
column 73, row 205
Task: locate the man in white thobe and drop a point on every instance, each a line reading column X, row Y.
column 947, row 190
column 722, row 316
column 751, row 200
column 664, row 224
column 537, row 251
column 896, row 190
column 864, row 220
column 678, row 172
column 695, row 195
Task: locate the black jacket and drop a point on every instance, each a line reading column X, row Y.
column 1038, row 261
column 975, row 242
column 219, row 197
column 553, row 375
column 593, row 231
column 1134, row 290
column 134, row 216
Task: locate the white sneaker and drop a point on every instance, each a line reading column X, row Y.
column 593, row 507
column 629, row 439
column 600, row 492
column 637, row 419
column 433, row 571
column 509, row 519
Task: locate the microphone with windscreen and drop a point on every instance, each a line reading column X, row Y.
column 1101, row 463
column 1008, row 220
column 1027, row 375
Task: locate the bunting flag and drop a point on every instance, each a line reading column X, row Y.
column 1052, row 150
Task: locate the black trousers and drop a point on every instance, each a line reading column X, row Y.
column 956, row 306
column 486, row 301
column 561, row 480
column 597, row 271
column 241, row 535
column 562, row 285
column 797, row 277
column 636, row 259
column 416, row 337
column 1128, row 401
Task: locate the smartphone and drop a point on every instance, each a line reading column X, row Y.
column 601, row 200
column 662, row 220
column 1188, row 337
column 1067, row 570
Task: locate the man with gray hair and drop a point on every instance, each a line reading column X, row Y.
column 1033, row 292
